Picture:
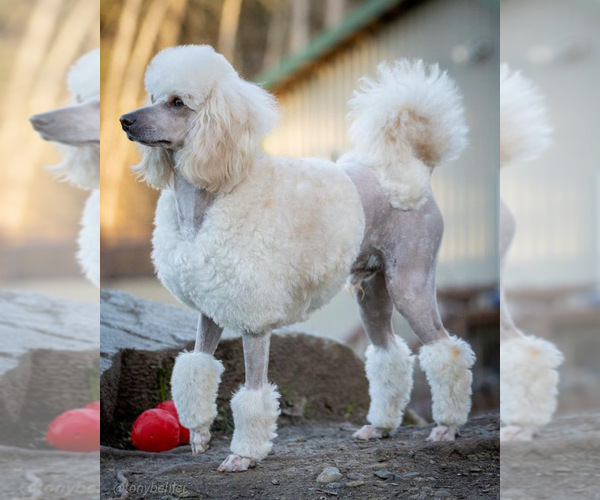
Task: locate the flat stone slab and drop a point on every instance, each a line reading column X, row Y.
column 48, row 358
column 30, row 320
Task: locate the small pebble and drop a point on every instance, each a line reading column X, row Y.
column 380, row 466
column 274, row 481
column 355, row 476
column 411, row 474
column 353, row 484
column 383, row 474
column 335, row 485
column 329, row 475
column 442, row 494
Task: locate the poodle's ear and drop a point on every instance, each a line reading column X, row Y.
column 223, row 140
column 155, row 168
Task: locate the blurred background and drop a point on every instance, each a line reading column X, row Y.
column 311, row 55
column 553, row 268
column 39, row 40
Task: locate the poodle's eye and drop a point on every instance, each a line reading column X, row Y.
column 176, row 101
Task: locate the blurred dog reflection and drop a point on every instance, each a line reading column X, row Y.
column 76, row 131
column 528, row 375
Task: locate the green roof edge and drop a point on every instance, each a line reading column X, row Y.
column 357, row 19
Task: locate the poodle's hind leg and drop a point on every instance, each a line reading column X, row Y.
column 389, row 363
column 255, row 408
column 446, row 359
column 195, row 382
column 528, row 385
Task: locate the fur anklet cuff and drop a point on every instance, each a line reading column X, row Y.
column 528, row 381
column 255, row 415
column 447, row 364
column 194, row 385
column 389, row 372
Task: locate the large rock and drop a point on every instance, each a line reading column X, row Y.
column 48, row 362
column 318, row 378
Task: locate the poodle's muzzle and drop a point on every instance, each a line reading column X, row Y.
column 72, row 125
column 140, row 126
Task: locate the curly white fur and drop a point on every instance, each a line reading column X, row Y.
column 84, row 77
column 447, row 364
column 524, row 129
column 389, row 371
column 89, row 239
column 528, row 381
column 255, row 413
column 256, row 269
column 404, row 124
column 194, row 386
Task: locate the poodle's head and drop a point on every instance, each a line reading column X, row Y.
column 76, row 128
column 203, row 121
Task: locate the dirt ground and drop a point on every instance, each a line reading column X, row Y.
column 402, row 466
column 563, row 462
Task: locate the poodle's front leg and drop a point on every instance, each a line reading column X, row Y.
column 255, row 409
column 195, row 382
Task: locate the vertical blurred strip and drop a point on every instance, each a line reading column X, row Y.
column 55, row 33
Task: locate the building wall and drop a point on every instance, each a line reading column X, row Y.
column 554, row 199
column 314, row 124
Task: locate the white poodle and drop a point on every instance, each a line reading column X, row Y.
column 76, row 129
column 528, row 376
column 255, row 242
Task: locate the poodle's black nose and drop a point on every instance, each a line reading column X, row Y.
column 127, row 121
column 40, row 120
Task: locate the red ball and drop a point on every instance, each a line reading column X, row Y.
column 155, row 430
column 75, row 430
column 93, row 406
column 184, row 433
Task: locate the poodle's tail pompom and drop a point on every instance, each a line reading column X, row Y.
column 405, row 123
column 411, row 110
column 524, row 129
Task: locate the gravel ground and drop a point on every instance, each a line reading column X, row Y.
column 563, row 462
column 402, row 466
column 48, row 475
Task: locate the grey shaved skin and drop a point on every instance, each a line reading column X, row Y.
column 397, row 259
column 161, row 124
column 72, row 125
column 508, row 328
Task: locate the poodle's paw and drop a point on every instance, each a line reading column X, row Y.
column 367, row 432
column 443, row 433
column 235, row 463
column 199, row 439
column 516, row 433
